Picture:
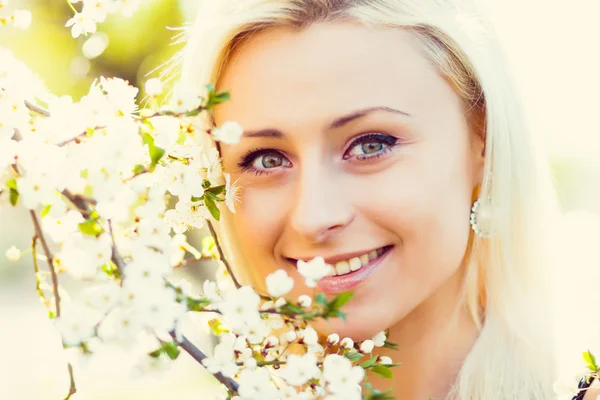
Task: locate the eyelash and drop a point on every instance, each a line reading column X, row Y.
column 389, row 141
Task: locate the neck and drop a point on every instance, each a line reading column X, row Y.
column 434, row 341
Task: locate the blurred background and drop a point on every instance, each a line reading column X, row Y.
column 552, row 46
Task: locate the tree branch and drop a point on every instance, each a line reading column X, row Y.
column 198, row 355
column 221, row 255
column 40, row 236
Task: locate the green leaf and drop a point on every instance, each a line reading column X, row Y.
column 90, row 227
column 590, row 360
column 171, row 349
column 206, row 184
column 383, row 371
column 14, row 197
column 354, row 356
column 292, row 309
column 369, row 363
column 46, row 210
column 111, row 270
column 216, row 189
column 321, row 299
column 11, row 184
column 197, row 304
column 212, row 207
column 138, row 169
column 390, row 345
column 51, row 314
column 340, row 300
column 156, row 153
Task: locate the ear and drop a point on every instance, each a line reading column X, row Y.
column 478, row 156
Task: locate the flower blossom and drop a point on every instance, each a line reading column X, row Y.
column 313, row 270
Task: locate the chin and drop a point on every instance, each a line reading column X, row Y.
column 358, row 329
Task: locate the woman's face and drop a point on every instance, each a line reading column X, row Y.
column 357, row 150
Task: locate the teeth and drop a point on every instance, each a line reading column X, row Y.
column 342, row 267
column 364, row 259
column 355, row 264
column 373, row 255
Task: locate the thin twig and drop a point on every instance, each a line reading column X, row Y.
column 198, row 355
column 116, row 257
column 40, row 236
column 72, row 387
column 37, row 109
column 221, row 255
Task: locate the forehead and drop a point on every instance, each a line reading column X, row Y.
column 293, row 76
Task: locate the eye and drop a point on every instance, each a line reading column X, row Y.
column 260, row 161
column 369, row 146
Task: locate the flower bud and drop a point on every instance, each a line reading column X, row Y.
column 290, row 336
column 13, row 254
column 271, row 341
column 304, row 301
column 384, row 360
column 280, row 302
column 347, row 343
column 367, row 346
column 333, row 339
column 154, row 87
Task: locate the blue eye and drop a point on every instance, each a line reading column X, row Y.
column 370, row 146
column 367, row 147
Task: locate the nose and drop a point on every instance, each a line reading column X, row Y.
column 320, row 208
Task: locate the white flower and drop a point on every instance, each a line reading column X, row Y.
column 313, row 270
column 290, row 336
column 309, row 336
column 121, row 94
column 379, row 339
column 82, row 23
column 256, row 385
column 222, row 359
column 153, row 87
column 241, row 308
column 212, row 164
column 34, row 190
column 13, row 254
column 121, row 325
column 128, row 7
column 305, row 301
column 342, row 377
column 231, row 193
column 60, row 228
column 230, row 132
column 333, row 339
column 75, row 326
column 367, row 346
column 184, row 99
column 102, row 297
column 98, row 9
column 347, row 343
column 300, row 369
column 385, row 360
column 22, row 19
column 279, row 283
column 166, row 132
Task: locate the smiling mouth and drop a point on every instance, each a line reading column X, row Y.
column 345, row 267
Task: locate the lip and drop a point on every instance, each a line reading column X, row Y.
column 344, row 283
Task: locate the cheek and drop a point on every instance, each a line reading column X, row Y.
column 258, row 225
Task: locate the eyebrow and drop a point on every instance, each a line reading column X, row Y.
column 337, row 123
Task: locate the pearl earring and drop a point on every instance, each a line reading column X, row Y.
column 481, row 221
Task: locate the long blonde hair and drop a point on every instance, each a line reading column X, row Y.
column 505, row 282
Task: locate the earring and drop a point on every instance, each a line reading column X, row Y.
column 481, row 221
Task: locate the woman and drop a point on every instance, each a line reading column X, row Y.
column 372, row 128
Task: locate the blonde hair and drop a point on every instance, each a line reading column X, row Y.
column 505, row 282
